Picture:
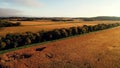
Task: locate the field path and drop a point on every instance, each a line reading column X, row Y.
column 95, row 50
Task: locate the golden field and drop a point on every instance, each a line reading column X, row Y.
column 35, row 26
column 95, row 50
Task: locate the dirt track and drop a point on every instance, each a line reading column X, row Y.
column 95, row 50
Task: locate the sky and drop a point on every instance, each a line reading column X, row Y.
column 60, row 8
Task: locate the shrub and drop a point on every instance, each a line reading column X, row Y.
column 37, row 37
column 95, row 28
column 63, row 33
column 15, row 44
column 56, row 34
column 8, row 42
column 9, row 24
column 2, row 45
column 47, row 36
column 69, row 31
column 79, row 30
column 74, row 30
column 90, row 29
column 9, row 36
column 27, row 41
column 41, row 35
column 84, row 30
column 18, row 23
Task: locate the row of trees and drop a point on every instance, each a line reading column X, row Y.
column 9, row 24
column 27, row 38
column 102, row 18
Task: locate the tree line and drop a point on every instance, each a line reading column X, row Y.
column 101, row 18
column 27, row 38
column 8, row 24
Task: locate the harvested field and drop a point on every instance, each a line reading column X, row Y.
column 55, row 23
column 34, row 26
column 95, row 50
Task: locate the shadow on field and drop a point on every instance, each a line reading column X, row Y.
column 67, row 64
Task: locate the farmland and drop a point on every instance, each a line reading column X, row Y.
column 74, row 46
column 35, row 26
column 59, row 34
column 94, row 50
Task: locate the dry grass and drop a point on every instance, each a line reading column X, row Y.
column 34, row 26
column 95, row 50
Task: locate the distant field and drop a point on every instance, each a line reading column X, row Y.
column 34, row 26
column 36, row 23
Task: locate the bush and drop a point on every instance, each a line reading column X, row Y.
column 27, row 41
column 56, row 34
column 90, row 29
column 84, row 30
column 18, row 23
column 37, row 37
column 63, row 33
column 74, row 30
column 47, row 36
column 69, row 31
column 2, row 45
column 9, row 24
column 15, row 44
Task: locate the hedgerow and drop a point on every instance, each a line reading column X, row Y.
column 27, row 38
column 8, row 24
